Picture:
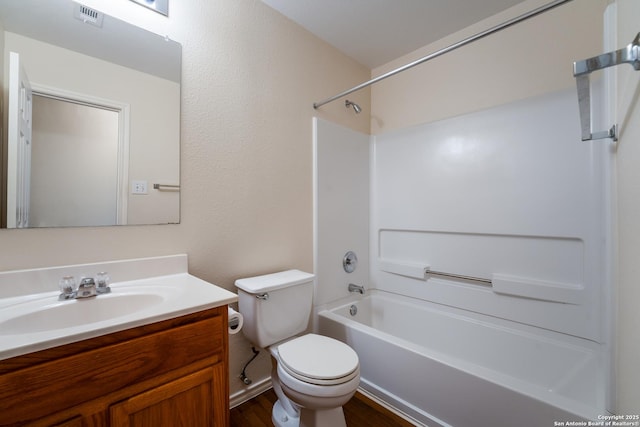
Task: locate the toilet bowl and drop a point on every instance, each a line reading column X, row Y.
column 318, row 375
column 312, row 375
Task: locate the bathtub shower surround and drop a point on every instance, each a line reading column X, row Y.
column 341, row 209
column 449, row 367
column 487, row 265
column 509, row 195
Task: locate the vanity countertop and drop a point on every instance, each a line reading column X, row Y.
column 39, row 321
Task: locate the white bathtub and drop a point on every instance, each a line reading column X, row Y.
column 446, row 367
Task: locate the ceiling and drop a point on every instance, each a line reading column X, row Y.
column 374, row 32
column 56, row 22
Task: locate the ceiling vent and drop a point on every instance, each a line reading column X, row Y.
column 88, row 15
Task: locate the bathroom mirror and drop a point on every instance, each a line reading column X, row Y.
column 102, row 146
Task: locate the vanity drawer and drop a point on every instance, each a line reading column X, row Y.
column 36, row 391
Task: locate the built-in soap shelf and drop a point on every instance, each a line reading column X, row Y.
column 506, row 284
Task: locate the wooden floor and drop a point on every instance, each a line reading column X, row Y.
column 358, row 412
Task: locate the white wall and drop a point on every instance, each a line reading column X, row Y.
column 341, row 223
column 508, row 194
column 628, row 159
column 3, row 147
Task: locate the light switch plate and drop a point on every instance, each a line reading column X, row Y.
column 139, row 187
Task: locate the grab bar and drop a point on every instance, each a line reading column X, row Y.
column 164, row 187
column 458, row 276
column 566, row 293
column 581, row 70
column 419, row 271
column 505, row 284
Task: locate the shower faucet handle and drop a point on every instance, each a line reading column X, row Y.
column 350, row 262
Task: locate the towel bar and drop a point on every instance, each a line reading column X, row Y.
column 164, row 187
column 581, row 70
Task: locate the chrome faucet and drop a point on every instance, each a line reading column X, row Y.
column 356, row 288
column 88, row 287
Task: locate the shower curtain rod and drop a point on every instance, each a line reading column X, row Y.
column 447, row 49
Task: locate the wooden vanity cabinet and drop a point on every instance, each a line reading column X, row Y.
column 171, row 373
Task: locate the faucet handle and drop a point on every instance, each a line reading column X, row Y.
column 68, row 287
column 102, row 282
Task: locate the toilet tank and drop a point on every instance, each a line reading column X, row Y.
column 275, row 306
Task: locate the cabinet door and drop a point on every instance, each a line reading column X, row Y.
column 74, row 422
column 196, row 400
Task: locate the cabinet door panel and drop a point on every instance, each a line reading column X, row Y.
column 74, row 422
column 191, row 401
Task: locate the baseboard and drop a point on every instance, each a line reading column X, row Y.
column 390, row 408
column 239, row 397
column 242, row 396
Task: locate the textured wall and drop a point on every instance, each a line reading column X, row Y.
column 531, row 58
column 250, row 77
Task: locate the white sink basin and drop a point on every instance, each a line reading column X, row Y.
column 38, row 321
column 44, row 315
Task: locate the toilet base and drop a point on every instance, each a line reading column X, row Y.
column 322, row 418
column 280, row 418
column 308, row 418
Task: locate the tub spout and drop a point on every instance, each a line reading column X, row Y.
column 356, row 288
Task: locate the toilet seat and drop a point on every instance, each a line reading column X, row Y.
column 320, row 360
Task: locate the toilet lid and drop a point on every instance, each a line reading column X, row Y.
column 316, row 357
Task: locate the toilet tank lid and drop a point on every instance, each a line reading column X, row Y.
column 271, row 282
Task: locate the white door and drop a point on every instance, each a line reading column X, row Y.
column 19, row 145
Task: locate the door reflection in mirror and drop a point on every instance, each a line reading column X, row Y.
column 74, row 164
column 116, row 62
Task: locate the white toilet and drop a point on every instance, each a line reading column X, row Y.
column 312, row 375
